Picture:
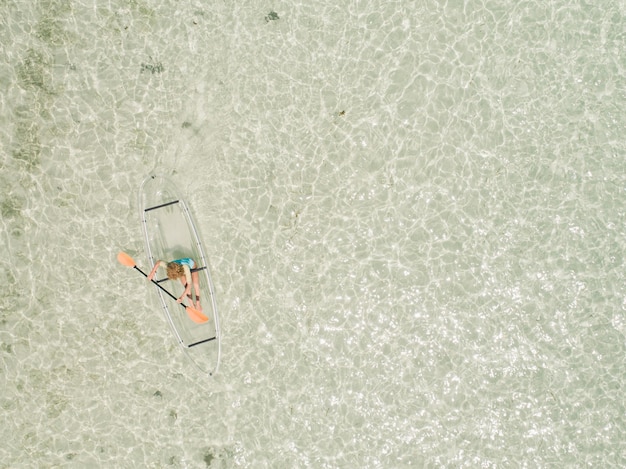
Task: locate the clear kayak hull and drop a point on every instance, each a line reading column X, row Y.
column 170, row 233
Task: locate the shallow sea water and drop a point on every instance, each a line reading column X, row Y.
column 414, row 212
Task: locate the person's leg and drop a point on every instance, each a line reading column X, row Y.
column 195, row 280
column 183, row 280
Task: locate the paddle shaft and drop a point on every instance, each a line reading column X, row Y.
column 172, row 296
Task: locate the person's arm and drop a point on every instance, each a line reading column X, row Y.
column 188, row 287
column 154, row 269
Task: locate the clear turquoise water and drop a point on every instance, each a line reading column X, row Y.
column 414, row 212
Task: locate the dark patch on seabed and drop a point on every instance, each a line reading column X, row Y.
column 33, row 76
column 33, row 73
column 11, row 207
column 271, row 16
column 208, row 458
column 28, row 147
column 152, row 67
column 49, row 30
column 214, row 455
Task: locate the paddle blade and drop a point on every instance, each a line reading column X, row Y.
column 195, row 315
column 126, row 260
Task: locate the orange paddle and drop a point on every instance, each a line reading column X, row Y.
column 195, row 315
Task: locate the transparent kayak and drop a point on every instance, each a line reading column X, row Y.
column 170, row 233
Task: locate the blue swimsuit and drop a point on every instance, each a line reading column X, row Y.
column 188, row 261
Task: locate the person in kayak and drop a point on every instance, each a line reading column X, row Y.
column 182, row 269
